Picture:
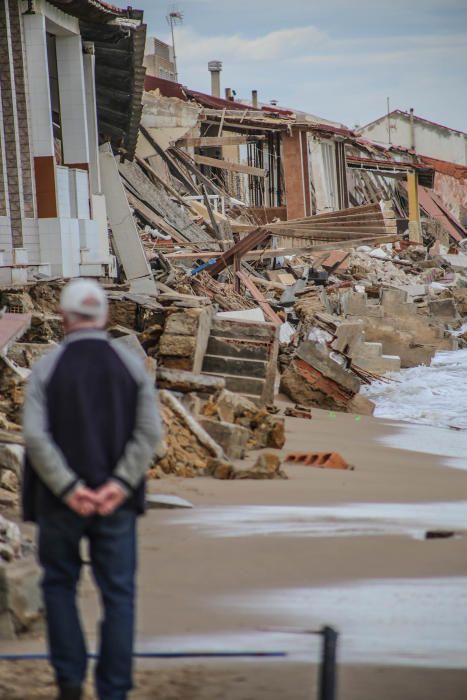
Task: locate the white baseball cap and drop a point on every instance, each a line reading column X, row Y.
column 84, row 297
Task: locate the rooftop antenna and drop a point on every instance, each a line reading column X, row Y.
column 389, row 121
column 174, row 17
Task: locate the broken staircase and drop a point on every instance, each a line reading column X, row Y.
column 244, row 353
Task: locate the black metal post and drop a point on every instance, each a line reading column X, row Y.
column 328, row 670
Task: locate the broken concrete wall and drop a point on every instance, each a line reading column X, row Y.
column 317, row 376
column 185, row 338
column 167, row 119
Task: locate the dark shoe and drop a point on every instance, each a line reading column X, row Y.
column 70, row 694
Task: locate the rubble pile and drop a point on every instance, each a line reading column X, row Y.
column 379, row 312
column 207, row 427
column 238, row 299
column 339, row 327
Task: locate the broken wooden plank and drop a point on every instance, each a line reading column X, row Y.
column 157, row 221
column 203, row 141
column 433, row 209
column 336, row 235
column 279, row 252
column 258, row 296
column 250, row 241
column 214, row 225
column 173, row 166
column 231, row 167
column 190, row 165
column 171, row 190
column 157, row 199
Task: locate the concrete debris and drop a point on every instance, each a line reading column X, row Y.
column 189, row 382
column 21, row 604
column 10, row 540
column 231, row 437
column 158, row 500
column 20, row 598
column 264, row 428
column 267, row 466
column 298, row 412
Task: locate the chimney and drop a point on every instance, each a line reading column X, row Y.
column 215, row 68
column 254, row 98
column 229, row 94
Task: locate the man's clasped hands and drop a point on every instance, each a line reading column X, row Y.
column 103, row 501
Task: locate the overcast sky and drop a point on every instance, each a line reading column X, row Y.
column 338, row 59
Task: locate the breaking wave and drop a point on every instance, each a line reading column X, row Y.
column 434, row 395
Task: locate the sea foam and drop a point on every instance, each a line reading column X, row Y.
column 434, row 395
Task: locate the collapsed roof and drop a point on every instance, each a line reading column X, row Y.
column 119, row 37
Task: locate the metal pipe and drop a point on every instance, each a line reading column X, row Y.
column 389, row 122
column 412, row 130
column 328, row 672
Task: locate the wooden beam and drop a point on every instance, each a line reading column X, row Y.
column 199, row 142
column 212, row 218
column 157, row 221
column 173, row 166
column 238, row 250
column 278, row 252
column 259, row 297
column 171, row 190
column 226, row 165
column 187, row 161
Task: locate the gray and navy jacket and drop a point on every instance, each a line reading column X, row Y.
column 90, row 415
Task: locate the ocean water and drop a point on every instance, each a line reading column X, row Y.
column 410, row 622
column 336, row 520
column 434, row 395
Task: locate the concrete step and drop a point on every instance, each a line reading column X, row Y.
column 247, row 350
column 370, row 350
column 241, row 385
column 379, row 365
column 234, row 366
column 242, row 330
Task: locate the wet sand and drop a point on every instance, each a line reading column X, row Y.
column 211, row 580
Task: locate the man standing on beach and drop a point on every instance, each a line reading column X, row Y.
column 91, row 425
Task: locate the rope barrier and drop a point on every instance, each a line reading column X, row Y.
column 161, row 655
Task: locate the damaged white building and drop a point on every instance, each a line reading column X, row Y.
column 71, row 77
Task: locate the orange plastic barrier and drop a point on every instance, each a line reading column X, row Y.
column 322, row 460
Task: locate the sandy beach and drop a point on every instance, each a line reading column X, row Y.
column 257, row 563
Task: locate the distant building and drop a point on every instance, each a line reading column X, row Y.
column 71, row 77
column 420, row 135
column 159, row 60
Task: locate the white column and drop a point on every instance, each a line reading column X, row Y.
column 98, row 205
column 91, row 115
column 72, row 100
column 38, row 85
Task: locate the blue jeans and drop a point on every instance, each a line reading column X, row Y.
column 112, row 546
